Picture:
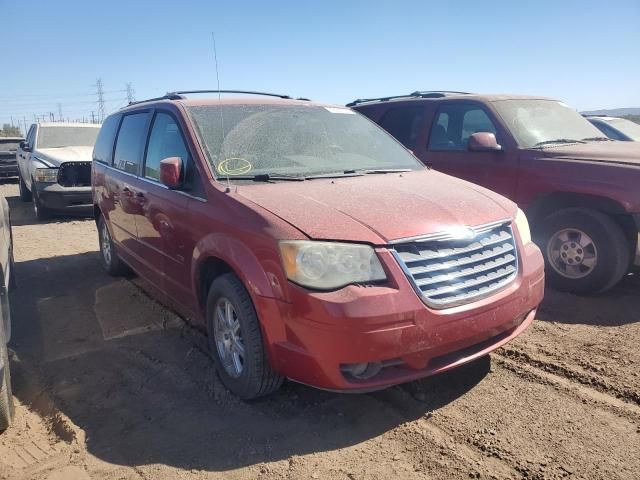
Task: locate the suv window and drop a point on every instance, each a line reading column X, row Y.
column 403, row 123
column 130, row 142
column 454, row 125
column 165, row 141
column 103, row 149
column 30, row 136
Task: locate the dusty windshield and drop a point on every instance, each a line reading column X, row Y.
column 294, row 140
column 56, row 137
column 629, row 128
column 538, row 122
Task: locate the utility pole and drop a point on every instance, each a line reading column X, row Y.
column 130, row 93
column 100, row 93
column 93, row 118
column 24, row 120
column 60, row 112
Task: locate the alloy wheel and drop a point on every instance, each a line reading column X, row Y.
column 228, row 338
column 572, row 253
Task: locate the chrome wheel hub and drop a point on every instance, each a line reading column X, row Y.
column 572, row 253
column 228, row 338
column 106, row 245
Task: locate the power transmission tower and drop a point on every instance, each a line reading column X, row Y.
column 100, row 93
column 130, row 93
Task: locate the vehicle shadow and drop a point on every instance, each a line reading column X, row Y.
column 97, row 349
column 619, row 306
column 22, row 214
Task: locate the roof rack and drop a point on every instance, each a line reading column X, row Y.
column 179, row 95
column 416, row 94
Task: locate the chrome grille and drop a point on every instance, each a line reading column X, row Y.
column 448, row 271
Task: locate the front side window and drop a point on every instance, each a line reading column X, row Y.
column 59, row 137
column 455, row 123
column 294, row 140
column 535, row 123
column 165, row 141
column 130, row 143
column 404, row 124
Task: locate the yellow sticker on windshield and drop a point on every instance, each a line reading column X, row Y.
column 234, row 166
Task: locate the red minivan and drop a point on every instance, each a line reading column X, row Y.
column 308, row 242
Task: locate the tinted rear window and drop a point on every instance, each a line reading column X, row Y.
column 103, row 150
column 130, row 143
column 404, row 124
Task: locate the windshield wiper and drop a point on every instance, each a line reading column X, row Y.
column 598, row 139
column 558, row 140
column 264, row 177
column 369, row 171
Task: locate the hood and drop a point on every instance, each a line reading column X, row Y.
column 379, row 208
column 56, row 156
column 609, row 152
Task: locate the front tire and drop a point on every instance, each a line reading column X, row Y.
column 40, row 211
column 108, row 254
column 6, row 397
column 585, row 251
column 235, row 340
column 25, row 193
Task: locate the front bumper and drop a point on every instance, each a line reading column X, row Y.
column 312, row 337
column 54, row 196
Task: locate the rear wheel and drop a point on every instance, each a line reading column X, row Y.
column 585, row 251
column 25, row 193
column 6, row 397
column 110, row 260
column 235, row 340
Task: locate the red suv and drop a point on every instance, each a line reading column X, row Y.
column 578, row 187
column 308, row 242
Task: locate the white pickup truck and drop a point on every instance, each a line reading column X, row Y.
column 54, row 165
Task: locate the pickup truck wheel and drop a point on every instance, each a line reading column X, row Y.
column 25, row 193
column 585, row 251
column 6, row 397
column 235, row 340
column 41, row 212
column 108, row 254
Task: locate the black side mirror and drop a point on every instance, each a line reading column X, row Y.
column 25, row 146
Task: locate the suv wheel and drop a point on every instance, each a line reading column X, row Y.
column 585, row 251
column 25, row 193
column 235, row 340
column 41, row 212
column 110, row 259
column 6, row 397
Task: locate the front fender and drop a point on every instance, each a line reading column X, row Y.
column 259, row 267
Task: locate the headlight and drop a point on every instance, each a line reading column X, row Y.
column 523, row 227
column 328, row 265
column 49, row 175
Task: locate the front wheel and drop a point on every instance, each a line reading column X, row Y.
column 6, row 397
column 235, row 340
column 585, row 251
column 40, row 211
column 25, row 193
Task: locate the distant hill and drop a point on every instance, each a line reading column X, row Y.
column 614, row 112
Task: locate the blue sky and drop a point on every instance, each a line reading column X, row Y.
column 584, row 52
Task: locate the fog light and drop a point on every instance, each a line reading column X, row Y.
column 362, row 371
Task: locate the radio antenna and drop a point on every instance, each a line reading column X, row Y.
column 215, row 59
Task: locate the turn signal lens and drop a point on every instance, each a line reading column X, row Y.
column 46, row 175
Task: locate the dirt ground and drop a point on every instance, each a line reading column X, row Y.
column 111, row 385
